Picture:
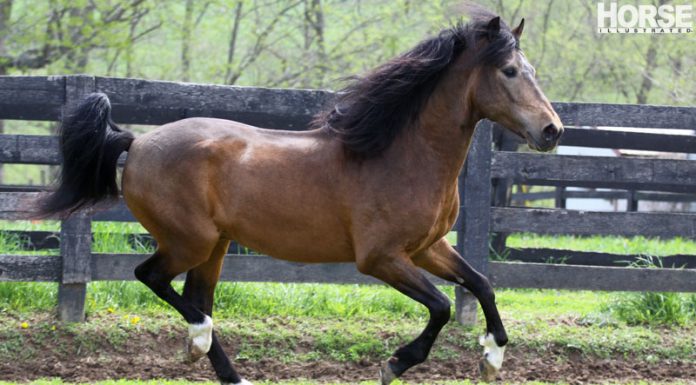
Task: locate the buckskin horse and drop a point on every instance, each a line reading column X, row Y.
column 374, row 182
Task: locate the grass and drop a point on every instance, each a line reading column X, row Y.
column 347, row 322
column 350, row 322
column 637, row 245
column 351, row 301
column 654, row 308
column 109, row 237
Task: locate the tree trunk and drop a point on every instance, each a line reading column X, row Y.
column 78, row 57
column 186, row 42
column 318, row 24
column 314, row 31
column 650, row 64
column 132, row 27
column 233, row 42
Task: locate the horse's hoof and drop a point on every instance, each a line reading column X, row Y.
column 386, row 374
column 200, row 339
column 488, row 372
column 193, row 352
column 492, row 358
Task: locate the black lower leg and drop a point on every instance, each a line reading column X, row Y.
column 221, row 363
column 481, row 288
column 418, row 350
column 200, row 293
column 438, row 305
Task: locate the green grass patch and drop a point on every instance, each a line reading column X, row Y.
column 27, row 297
column 344, row 322
column 654, row 308
column 637, row 245
column 306, row 339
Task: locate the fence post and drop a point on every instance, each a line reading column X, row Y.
column 631, row 201
column 475, row 215
column 75, row 234
column 559, row 198
column 75, row 250
column 502, row 188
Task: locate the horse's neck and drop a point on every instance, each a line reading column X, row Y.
column 444, row 129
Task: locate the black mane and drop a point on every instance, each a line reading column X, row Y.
column 370, row 112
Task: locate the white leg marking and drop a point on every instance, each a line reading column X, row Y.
column 201, row 335
column 491, row 351
column 243, row 382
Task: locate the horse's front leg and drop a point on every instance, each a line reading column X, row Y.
column 442, row 260
column 400, row 273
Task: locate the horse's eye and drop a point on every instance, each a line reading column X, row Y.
column 510, row 72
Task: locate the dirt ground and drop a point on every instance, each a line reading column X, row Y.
column 161, row 356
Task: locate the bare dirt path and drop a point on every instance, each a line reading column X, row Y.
column 152, row 357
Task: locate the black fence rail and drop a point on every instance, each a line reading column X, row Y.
column 153, row 102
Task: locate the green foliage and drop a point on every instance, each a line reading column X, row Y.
column 23, row 297
column 11, row 243
column 669, row 309
column 650, row 308
column 114, row 237
column 290, row 44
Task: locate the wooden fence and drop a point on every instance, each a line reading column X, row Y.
column 154, row 102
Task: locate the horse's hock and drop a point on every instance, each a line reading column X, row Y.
column 484, row 188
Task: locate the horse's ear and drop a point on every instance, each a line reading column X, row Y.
column 493, row 27
column 517, row 32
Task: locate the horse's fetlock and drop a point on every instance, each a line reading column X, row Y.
column 408, row 356
column 501, row 339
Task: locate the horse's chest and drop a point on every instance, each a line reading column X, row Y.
column 433, row 222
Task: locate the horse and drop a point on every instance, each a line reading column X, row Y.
column 372, row 182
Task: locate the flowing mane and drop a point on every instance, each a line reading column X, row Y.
column 373, row 109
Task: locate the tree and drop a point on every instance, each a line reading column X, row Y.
column 71, row 31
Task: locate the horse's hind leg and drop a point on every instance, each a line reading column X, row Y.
column 442, row 260
column 400, row 273
column 199, row 289
column 171, row 259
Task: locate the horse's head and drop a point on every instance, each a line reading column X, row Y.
column 505, row 89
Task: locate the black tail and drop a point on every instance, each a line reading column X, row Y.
column 90, row 144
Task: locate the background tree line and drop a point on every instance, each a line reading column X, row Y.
column 315, row 43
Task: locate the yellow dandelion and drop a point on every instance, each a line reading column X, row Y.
column 135, row 320
column 24, row 325
column 110, row 310
column 53, row 327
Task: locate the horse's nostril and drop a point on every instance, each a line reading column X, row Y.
column 551, row 132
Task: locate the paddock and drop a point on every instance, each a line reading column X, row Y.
column 488, row 167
